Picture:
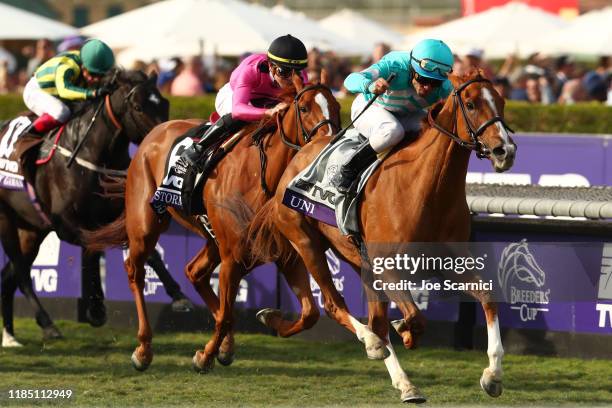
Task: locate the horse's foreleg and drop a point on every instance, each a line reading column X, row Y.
column 9, row 286
column 299, row 281
column 229, row 281
column 378, row 322
column 491, row 380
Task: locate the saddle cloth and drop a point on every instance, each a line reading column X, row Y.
column 311, row 193
column 11, row 177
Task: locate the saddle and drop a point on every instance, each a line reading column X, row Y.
column 178, row 191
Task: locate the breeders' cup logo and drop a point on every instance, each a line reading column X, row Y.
column 333, row 263
column 522, row 281
column 44, row 268
column 152, row 281
column 604, row 294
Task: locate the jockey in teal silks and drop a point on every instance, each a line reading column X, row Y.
column 421, row 80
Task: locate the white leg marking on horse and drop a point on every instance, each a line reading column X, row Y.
column 399, row 379
column 9, row 341
column 375, row 347
column 322, row 102
column 495, row 350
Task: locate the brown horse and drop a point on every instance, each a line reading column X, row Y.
column 432, row 171
column 237, row 178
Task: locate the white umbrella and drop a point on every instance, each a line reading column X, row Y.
column 499, row 31
column 589, row 34
column 18, row 24
column 232, row 26
column 350, row 24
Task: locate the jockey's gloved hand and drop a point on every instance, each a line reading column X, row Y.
column 103, row 91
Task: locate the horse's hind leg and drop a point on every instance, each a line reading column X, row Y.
column 412, row 326
column 199, row 271
column 379, row 323
column 299, row 281
column 309, row 244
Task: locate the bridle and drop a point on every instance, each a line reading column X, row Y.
column 475, row 144
column 299, row 124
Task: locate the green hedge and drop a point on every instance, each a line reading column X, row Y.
column 580, row 118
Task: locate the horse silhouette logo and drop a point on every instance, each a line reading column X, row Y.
column 522, row 280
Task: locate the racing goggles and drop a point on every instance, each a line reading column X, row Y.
column 430, row 65
column 285, row 72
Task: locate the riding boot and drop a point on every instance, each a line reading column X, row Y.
column 361, row 158
column 194, row 158
column 193, row 155
column 42, row 124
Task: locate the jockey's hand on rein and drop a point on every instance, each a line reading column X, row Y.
column 278, row 108
column 379, row 86
column 102, row 91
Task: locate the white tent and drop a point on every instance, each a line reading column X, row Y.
column 18, row 24
column 286, row 12
column 230, row 27
column 589, row 34
column 498, row 31
column 350, row 24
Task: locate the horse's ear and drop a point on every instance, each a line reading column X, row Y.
column 297, row 82
column 481, row 73
column 455, row 80
column 324, row 77
column 153, row 77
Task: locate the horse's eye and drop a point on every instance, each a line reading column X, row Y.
column 303, row 109
column 469, row 105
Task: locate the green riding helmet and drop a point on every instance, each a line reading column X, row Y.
column 288, row 52
column 97, row 57
column 432, row 59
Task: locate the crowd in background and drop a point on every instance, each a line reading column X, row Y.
column 538, row 79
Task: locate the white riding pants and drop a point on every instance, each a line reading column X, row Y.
column 40, row 102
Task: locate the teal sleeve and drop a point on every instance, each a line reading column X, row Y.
column 358, row 82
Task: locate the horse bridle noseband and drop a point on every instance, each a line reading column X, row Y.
column 299, row 124
column 475, row 144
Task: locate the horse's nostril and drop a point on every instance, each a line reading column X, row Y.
column 499, row 151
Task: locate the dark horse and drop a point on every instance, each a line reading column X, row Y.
column 69, row 196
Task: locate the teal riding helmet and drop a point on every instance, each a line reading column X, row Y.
column 97, row 57
column 432, row 59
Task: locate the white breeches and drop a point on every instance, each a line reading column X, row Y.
column 40, row 102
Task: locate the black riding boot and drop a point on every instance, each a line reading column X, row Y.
column 361, row 158
column 193, row 155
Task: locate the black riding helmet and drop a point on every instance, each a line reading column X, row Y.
column 288, row 52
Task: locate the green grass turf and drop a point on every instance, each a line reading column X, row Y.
column 270, row 371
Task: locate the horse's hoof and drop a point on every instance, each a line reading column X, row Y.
column 399, row 326
column 225, row 359
column 206, row 366
column 412, row 395
column 264, row 315
column 96, row 314
column 182, row 305
column 52, row 333
column 139, row 365
column 375, row 347
column 8, row 340
column 490, row 385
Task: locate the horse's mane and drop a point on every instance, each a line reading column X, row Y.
column 473, row 73
column 287, row 95
column 113, row 77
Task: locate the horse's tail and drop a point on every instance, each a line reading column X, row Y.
column 110, row 235
column 265, row 241
column 113, row 234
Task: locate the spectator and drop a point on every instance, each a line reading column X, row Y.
column 71, row 43
column 189, row 81
column 473, row 61
column 564, row 67
column 169, row 69
column 595, row 86
column 44, row 52
column 380, row 50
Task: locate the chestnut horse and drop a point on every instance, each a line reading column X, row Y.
column 432, row 171
column 313, row 112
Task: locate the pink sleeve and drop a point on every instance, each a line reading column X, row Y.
column 304, row 75
column 246, row 80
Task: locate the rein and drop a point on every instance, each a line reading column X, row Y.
column 474, row 144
